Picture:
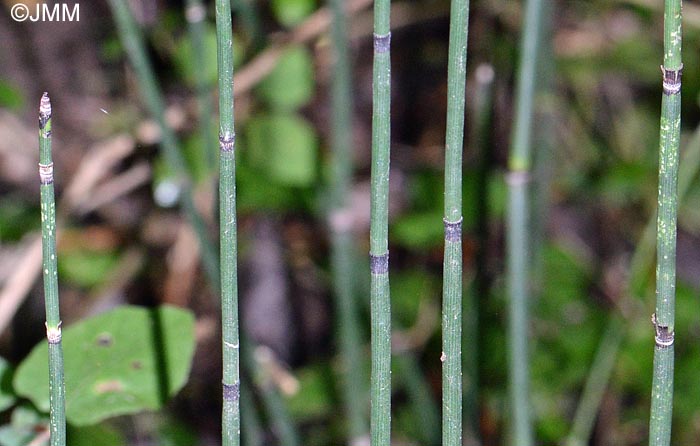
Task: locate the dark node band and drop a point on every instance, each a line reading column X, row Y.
column 379, row 264
column 672, row 80
column 663, row 338
column 232, row 392
column 518, row 177
column 382, row 43
column 453, row 230
column 227, row 142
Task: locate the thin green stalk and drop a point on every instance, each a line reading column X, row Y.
column 420, row 397
column 481, row 111
column 251, row 429
column 517, row 226
column 196, row 15
column 452, row 267
column 642, row 260
column 342, row 243
column 257, row 363
column 596, row 383
column 380, row 302
column 664, row 317
column 57, row 390
column 228, row 234
column 133, row 41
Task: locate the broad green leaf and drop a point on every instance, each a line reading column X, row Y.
column 99, row 434
column 125, row 361
column 292, row 12
column 314, row 398
column 285, row 146
column 186, row 62
column 86, row 268
column 419, row 230
column 7, row 396
column 291, row 83
column 10, row 96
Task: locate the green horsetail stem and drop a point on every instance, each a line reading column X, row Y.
column 664, row 317
column 57, row 391
column 196, row 15
column 517, row 228
column 452, row 262
column 132, row 39
column 349, row 340
column 380, row 302
column 228, row 233
column 642, row 260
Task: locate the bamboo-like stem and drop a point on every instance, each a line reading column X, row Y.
column 380, row 301
column 452, row 267
column 342, row 244
column 228, row 233
column 481, row 111
column 664, row 317
column 57, row 390
column 517, row 227
column 196, row 15
column 133, row 42
column 642, row 260
column 596, row 383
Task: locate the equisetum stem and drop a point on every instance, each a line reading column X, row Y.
column 380, row 302
column 196, row 16
column 228, row 233
column 663, row 319
column 517, row 227
column 57, row 420
column 342, row 246
column 452, row 267
column 133, row 42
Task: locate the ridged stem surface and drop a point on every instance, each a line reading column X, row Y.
column 57, row 390
column 380, row 302
column 518, row 221
column 664, row 317
column 231, row 421
column 452, row 262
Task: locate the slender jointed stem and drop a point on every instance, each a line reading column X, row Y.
column 196, row 15
column 228, row 231
column 342, row 246
column 133, row 41
column 518, row 277
column 48, row 238
column 452, row 266
column 380, row 302
column 663, row 318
